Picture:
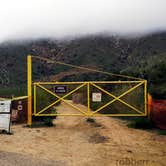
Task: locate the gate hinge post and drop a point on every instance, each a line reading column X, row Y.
column 29, row 89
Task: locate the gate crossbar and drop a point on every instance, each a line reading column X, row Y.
column 117, row 98
column 89, row 112
column 60, row 98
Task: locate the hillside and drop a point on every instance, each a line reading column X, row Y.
column 143, row 57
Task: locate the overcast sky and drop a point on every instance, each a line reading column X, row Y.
column 61, row 18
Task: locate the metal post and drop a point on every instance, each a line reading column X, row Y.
column 29, row 88
column 34, row 107
column 88, row 97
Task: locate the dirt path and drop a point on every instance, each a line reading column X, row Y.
column 74, row 142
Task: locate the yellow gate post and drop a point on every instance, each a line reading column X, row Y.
column 29, row 89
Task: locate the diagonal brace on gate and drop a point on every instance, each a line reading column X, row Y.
column 61, row 98
column 117, row 98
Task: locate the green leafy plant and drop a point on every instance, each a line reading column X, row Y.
column 161, row 132
column 90, row 120
column 141, row 123
column 48, row 121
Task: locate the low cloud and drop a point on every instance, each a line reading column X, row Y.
column 31, row 19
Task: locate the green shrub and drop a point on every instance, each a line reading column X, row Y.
column 48, row 121
column 40, row 121
column 141, row 123
column 161, row 132
column 90, row 120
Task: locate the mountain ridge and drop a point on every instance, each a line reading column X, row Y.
column 143, row 57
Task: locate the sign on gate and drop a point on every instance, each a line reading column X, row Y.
column 60, row 89
column 96, row 97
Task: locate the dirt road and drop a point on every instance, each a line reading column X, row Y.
column 75, row 142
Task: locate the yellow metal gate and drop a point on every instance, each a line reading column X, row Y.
column 47, row 87
column 98, row 98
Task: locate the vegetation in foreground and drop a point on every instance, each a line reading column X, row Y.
column 42, row 121
column 141, row 123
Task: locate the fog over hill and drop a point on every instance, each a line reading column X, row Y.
column 121, row 36
column 143, row 57
column 22, row 19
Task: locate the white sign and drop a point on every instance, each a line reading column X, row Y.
column 96, row 97
column 5, row 115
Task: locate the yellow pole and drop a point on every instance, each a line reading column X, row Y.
column 29, row 88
